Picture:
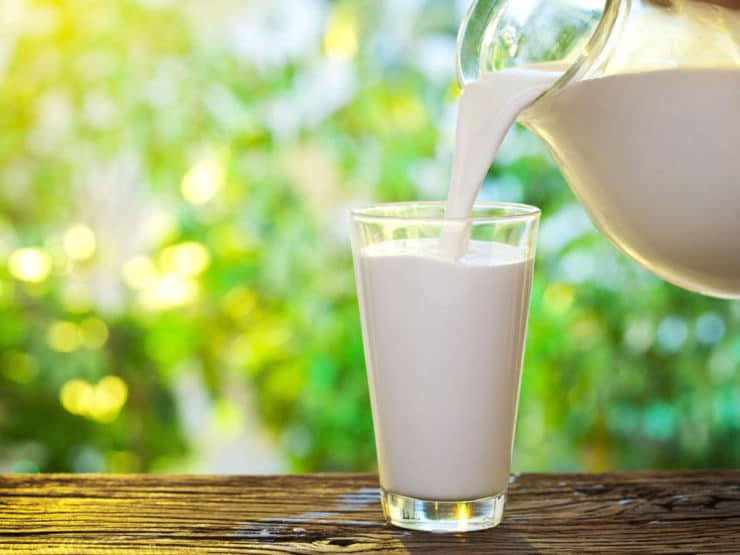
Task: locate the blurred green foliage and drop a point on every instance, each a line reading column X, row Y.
column 175, row 178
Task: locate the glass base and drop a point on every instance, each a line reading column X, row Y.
column 442, row 516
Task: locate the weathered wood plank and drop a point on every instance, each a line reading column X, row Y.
column 676, row 512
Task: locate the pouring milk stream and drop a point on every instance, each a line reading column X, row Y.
column 486, row 111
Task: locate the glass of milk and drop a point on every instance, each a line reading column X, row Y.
column 444, row 342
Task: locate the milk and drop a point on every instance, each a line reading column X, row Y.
column 486, row 111
column 654, row 158
column 444, row 324
column 443, row 345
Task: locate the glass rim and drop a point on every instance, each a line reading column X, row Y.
column 515, row 211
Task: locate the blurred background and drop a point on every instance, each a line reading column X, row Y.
column 176, row 288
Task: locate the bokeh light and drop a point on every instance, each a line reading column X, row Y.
column 169, row 291
column 186, row 259
column 202, row 182
column 140, row 272
column 558, row 298
column 101, row 402
column 64, row 337
column 671, row 334
column 340, row 40
column 710, row 328
column 30, row 264
column 79, row 242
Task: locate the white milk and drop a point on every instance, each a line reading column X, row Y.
column 486, row 111
column 654, row 158
column 443, row 345
column 444, row 325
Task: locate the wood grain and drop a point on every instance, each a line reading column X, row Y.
column 676, row 512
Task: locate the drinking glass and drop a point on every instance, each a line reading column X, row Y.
column 443, row 331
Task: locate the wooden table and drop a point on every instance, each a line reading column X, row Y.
column 676, row 512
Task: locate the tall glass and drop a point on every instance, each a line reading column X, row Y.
column 444, row 342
